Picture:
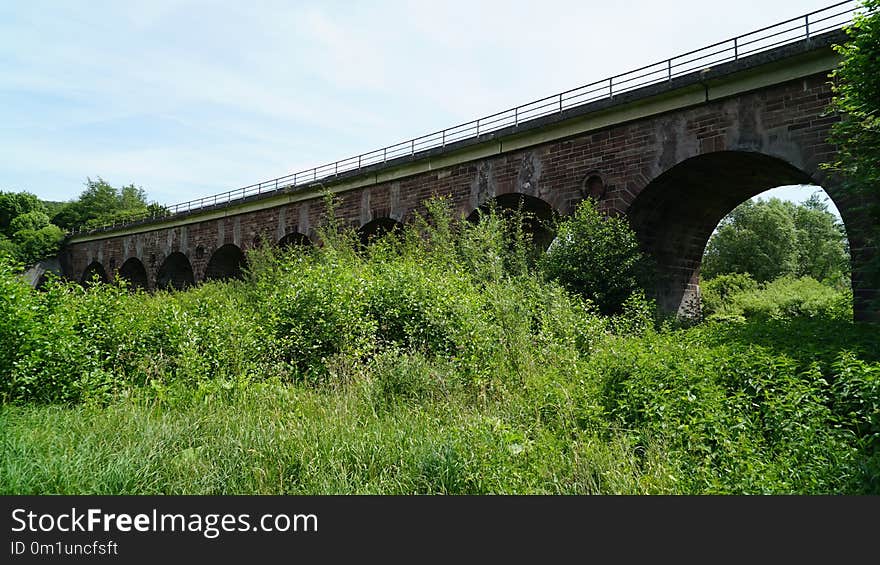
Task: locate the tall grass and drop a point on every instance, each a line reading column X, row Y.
column 439, row 360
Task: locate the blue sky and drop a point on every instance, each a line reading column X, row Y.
column 188, row 97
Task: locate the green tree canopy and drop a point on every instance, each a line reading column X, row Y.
column 33, row 245
column 14, row 204
column 100, row 202
column 823, row 249
column 25, row 232
column 857, row 96
column 856, row 86
column 33, row 220
column 772, row 238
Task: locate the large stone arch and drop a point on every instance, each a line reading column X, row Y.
column 227, row 262
column 293, row 239
column 93, row 268
column 378, row 227
column 175, row 273
column 539, row 216
column 675, row 213
column 133, row 271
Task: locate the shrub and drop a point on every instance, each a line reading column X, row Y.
column 18, row 318
column 597, row 256
column 785, row 298
column 33, row 245
column 739, row 418
column 718, row 291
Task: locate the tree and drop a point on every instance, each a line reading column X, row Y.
column 772, row 238
column 822, row 246
column 25, row 232
column 33, row 245
column 33, row 220
column 100, row 202
column 598, row 256
column 14, row 204
column 758, row 238
column 856, row 87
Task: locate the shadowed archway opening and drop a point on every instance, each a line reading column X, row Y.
column 538, row 216
column 95, row 269
column 134, row 273
column 294, row 239
column 228, row 262
column 175, row 273
column 377, row 228
column 676, row 213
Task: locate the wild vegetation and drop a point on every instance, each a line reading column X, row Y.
column 449, row 358
column 437, row 360
column 856, row 85
column 774, row 238
column 32, row 229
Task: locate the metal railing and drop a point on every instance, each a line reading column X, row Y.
column 795, row 29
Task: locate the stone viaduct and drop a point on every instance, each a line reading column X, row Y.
column 674, row 156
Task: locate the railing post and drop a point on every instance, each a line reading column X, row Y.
column 478, row 128
column 560, row 101
column 359, row 162
column 384, row 154
column 443, row 139
column 735, row 48
column 336, row 168
column 516, row 116
column 412, row 149
column 669, row 69
column 294, row 179
column 807, row 25
column 610, row 88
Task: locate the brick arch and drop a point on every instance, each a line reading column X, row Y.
column 294, row 238
column 93, row 268
column 376, row 228
column 540, row 216
column 175, row 272
column 227, row 262
column 676, row 213
column 133, row 271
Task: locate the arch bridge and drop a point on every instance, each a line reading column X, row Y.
column 675, row 155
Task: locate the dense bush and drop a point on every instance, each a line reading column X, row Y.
column 718, row 291
column 597, row 256
column 737, row 297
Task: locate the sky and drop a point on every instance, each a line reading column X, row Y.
column 187, row 98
